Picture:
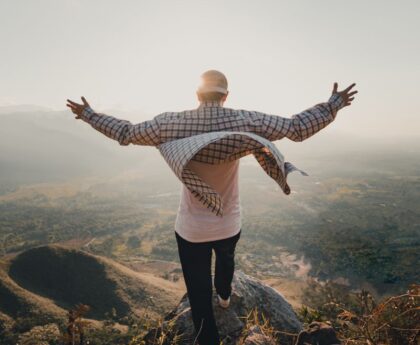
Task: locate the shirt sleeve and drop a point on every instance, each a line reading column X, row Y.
column 303, row 125
column 144, row 133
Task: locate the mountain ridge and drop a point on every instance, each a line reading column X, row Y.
column 52, row 279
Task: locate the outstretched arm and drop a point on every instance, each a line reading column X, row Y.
column 144, row 133
column 305, row 124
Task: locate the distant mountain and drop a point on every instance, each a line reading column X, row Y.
column 47, row 281
column 21, row 108
column 42, row 145
column 45, row 146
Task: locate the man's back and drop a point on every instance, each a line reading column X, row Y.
column 194, row 222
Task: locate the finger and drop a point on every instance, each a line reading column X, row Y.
column 71, row 106
column 352, row 93
column 74, row 103
column 85, row 102
column 71, row 102
column 349, row 87
column 76, row 106
column 335, row 88
column 350, row 99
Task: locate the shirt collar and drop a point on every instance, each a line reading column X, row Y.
column 206, row 104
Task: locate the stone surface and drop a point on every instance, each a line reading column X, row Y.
column 318, row 333
column 257, row 337
column 248, row 294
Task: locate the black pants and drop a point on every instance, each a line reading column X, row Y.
column 196, row 265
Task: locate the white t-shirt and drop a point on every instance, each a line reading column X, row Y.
column 196, row 223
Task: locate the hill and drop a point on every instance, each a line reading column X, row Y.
column 50, row 280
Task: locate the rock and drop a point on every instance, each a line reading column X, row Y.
column 257, row 337
column 248, row 294
column 318, row 333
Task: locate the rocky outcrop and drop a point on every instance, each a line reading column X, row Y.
column 248, row 294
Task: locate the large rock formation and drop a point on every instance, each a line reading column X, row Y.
column 248, row 294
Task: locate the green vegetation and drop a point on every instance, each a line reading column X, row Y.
column 365, row 230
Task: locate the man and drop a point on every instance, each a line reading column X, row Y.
column 203, row 146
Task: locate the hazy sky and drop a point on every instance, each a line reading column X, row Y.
column 279, row 56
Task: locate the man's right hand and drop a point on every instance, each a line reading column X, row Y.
column 346, row 95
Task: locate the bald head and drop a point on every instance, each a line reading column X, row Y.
column 213, row 87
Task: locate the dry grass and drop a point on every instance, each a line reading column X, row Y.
column 360, row 320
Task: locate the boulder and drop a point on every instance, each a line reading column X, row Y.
column 257, row 337
column 248, row 294
column 318, row 333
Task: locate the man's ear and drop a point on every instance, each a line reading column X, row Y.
column 225, row 96
column 198, row 96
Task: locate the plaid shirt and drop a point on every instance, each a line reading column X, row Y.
column 214, row 134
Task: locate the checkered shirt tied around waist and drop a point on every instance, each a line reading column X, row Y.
column 214, row 134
